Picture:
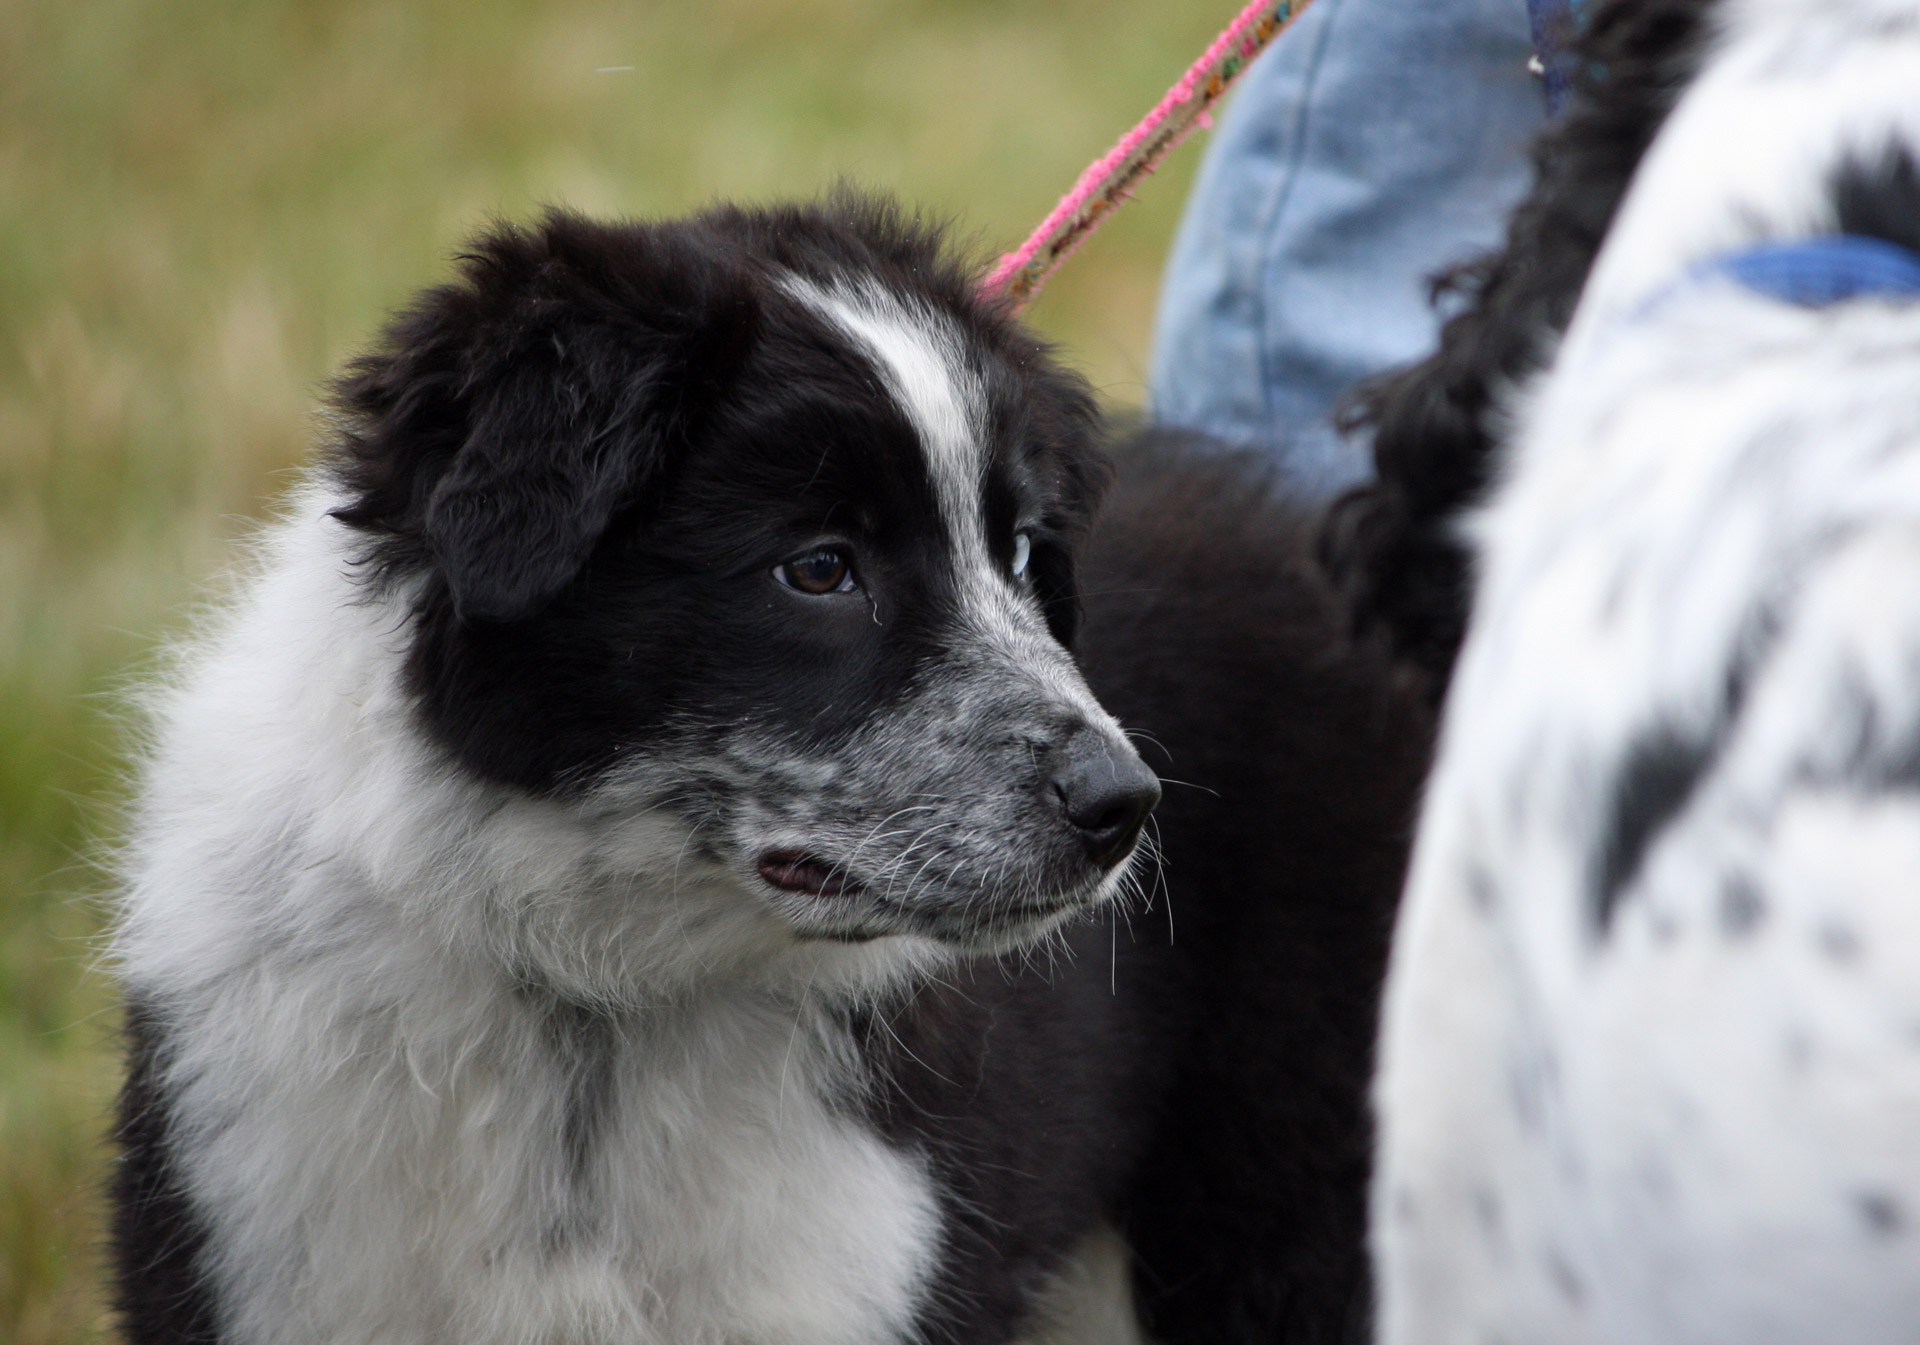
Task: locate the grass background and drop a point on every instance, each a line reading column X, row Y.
column 206, row 205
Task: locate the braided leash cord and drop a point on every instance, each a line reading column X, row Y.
column 1110, row 179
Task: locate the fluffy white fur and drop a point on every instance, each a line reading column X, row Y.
column 326, row 914
column 337, row 925
column 1702, row 1123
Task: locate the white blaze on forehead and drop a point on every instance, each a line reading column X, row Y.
column 921, row 358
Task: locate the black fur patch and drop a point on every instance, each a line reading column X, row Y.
column 1293, row 761
column 1661, row 768
column 1880, row 197
column 160, row 1290
column 1391, row 543
column 1655, row 781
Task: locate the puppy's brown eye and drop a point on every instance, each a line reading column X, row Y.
column 818, row 572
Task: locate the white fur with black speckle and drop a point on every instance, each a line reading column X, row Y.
column 1687, row 1110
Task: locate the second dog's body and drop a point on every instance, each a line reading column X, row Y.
column 1648, row 1059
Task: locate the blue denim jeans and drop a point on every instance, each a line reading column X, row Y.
column 1375, row 144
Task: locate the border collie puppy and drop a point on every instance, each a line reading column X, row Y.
column 1650, row 1065
column 639, row 862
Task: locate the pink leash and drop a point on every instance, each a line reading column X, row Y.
column 1110, row 179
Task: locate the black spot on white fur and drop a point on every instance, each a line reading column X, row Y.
column 1881, row 1213
column 1655, row 781
column 1878, row 196
column 1565, row 1280
column 1664, row 765
column 1838, row 942
column 1743, row 906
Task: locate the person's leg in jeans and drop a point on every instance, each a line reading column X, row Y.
column 1375, row 144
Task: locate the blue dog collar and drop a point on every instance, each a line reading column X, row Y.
column 1807, row 273
column 1816, row 272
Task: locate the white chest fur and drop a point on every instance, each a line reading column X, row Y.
column 390, row 1138
column 514, row 1174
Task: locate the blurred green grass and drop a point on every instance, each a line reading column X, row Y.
column 206, row 205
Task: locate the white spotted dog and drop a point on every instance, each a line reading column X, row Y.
column 638, row 863
column 1650, row 1065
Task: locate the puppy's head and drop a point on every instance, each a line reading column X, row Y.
column 763, row 521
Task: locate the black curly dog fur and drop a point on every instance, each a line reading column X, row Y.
column 1391, row 544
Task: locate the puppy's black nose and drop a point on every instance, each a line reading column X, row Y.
column 1106, row 792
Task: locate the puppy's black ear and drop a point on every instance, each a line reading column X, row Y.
column 506, row 419
column 550, row 454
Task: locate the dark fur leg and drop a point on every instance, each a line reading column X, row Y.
column 1292, row 758
column 157, row 1239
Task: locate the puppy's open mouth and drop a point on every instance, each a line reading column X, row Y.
column 797, row 871
column 974, row 923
